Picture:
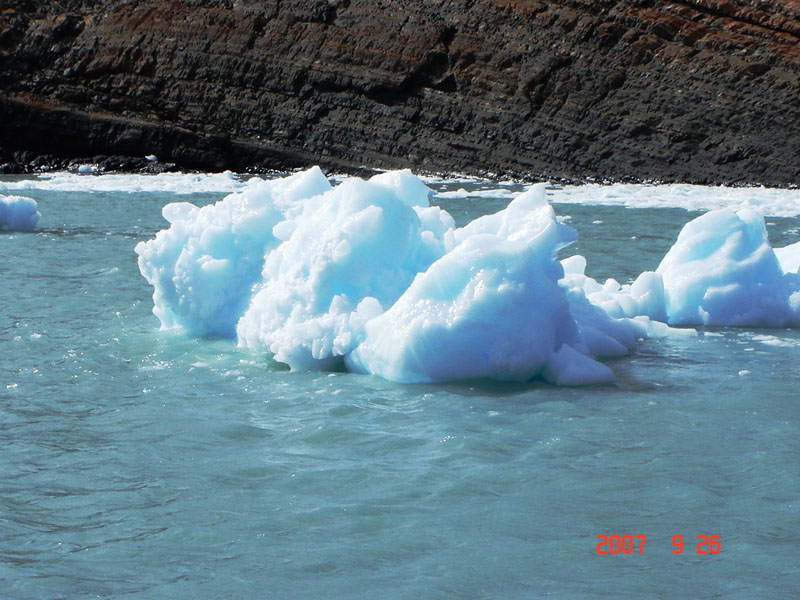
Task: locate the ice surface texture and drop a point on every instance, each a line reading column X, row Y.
column 490, row 307
column 204, row 266
column 18, row 213
column 368, row 275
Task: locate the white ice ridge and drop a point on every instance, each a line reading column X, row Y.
column 368, row 274
column 18, row 213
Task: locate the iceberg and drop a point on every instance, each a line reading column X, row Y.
column 721, row 271
column 492, row 308
column 344, row 256
column 203, row 267
column 18, row 213
column 369, row 276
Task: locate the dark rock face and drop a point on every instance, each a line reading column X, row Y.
column 694, row 90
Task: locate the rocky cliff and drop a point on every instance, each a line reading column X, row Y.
column 694, row 90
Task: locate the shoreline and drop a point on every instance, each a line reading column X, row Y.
column 24, row 162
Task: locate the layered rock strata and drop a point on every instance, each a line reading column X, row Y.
column 696, row 90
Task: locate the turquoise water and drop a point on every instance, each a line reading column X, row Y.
column 142, row 464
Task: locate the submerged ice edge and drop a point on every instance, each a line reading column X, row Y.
column 368, row 274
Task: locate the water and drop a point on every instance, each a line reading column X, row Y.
column 141, row 464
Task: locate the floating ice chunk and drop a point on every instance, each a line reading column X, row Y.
column 644, row 297
column 151, row 158
column 203, row 267
column 574, row 265
column 648, row 293
column 18, row 213
column 522, row 219
column 486, row 309
column 369, row 273
column 600, row 335
column 646, row 328
column 478, row 193
column 491, row 307
column 789, row 258
column 722, row 271
column 408, row 188
column 772, row 340
column 178, row 211
column 344, row 256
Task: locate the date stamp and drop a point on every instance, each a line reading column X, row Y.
column 628, row 544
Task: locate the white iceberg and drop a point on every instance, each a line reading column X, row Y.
column 789, row 258
column 18, row 213
column 491, row 307
column 343, row 257
column 721, row 271
column 369, row 275
column 203, row 267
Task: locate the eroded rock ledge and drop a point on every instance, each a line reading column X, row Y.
column 698, row 90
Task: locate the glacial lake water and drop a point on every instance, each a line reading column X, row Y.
column 137, row 463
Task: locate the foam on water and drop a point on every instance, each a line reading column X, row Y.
column 87, row 181
column 478, row 193
column 768, row 201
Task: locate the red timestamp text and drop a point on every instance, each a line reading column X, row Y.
column 707, row 544
column 615, row 544
column 628, row 544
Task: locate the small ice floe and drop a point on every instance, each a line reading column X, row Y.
column 87, row 169
column 18, row 213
